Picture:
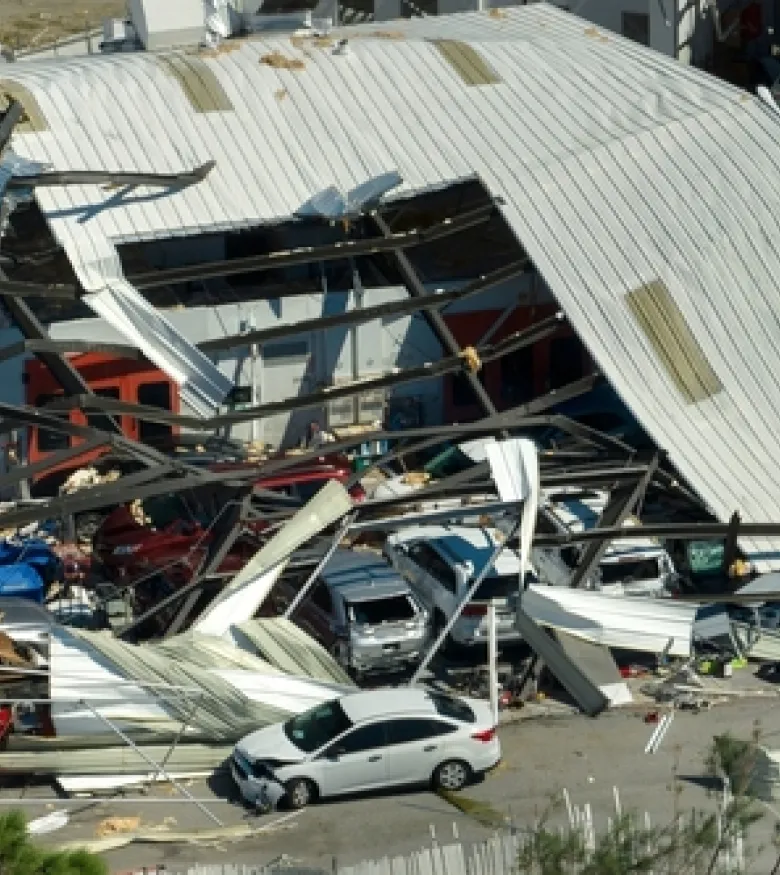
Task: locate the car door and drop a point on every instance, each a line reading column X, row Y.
column 353, row 762
column 445, row 583
column 415, row 746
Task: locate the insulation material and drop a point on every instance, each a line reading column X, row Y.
column 290, row 649
column 85, row 478
column 628, row 623
column 202, row 386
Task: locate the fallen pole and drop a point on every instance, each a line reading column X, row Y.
column 158, row 770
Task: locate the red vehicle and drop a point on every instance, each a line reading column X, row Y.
column 176, row 538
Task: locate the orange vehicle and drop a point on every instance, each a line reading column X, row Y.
column 109, row 377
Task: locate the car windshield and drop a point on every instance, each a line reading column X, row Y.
column 388, row 610
column 494, row 587
column 315, row 728
column 457, row 709
column 625, row 572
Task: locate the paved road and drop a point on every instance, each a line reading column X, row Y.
column 588, row 757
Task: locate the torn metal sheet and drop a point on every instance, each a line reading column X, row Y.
column 579, row 686
column 203, row 387
column 597, row 663
column 621, row 622
column 241, row 598
column 514, row 465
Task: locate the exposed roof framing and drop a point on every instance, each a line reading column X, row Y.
column 349, row 317
column 15, row 289
column 391, row 308
column 686, row 531
column 434, row 319
column 113, row 177
column 451, row 364
column 305, row 255
column 61, row 369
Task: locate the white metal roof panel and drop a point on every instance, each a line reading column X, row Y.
column 618, row 168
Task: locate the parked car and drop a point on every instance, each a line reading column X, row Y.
column 177, row 535
column 441, row 563
column 638, row 566
column 363, row 612
column 368, row 741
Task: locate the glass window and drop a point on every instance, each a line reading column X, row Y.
column 494, row 587
column 388, row 610
column 306, row 491
column 364, row 738
column 452, row 461
column 154, row 395
column 624, row 572
column 321, row 597
column 315, row 728
column 102, row 421
column 426, row 557
column 415, row 729
column 449, row 706
column 49, row 441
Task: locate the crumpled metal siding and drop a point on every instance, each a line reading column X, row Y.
column 618, row 167
column 291, row 650
column 223, row 711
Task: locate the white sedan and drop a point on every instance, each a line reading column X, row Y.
column 367, row 741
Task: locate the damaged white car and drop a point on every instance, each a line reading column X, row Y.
column 367, row 741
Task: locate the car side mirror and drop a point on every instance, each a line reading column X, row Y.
column 334, row 753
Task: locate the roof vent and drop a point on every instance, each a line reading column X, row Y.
column 171, row 24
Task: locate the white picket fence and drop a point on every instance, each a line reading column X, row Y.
column 496, row 855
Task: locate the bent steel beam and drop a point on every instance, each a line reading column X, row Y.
column 304, row 255
column 435, row 321
column 113, row 177
column 621, row 505
column 393, row 308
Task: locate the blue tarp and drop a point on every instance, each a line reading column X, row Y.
column 21, row 580
column 32, row 552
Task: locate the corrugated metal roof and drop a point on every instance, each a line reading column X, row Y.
column 619, row 168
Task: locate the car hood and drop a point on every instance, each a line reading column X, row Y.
column 270, row 743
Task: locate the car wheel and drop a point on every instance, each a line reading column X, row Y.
column 300, row 793
column 451, row 775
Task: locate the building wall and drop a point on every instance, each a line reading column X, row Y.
column 303, row 363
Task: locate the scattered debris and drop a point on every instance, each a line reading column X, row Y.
column 115, row 825
column 48, row 823
column 280, row 94
column 85, row 478
column 210, row 837
column 279, row 61
column 497, row 13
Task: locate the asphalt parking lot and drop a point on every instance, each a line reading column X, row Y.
column 589, row 757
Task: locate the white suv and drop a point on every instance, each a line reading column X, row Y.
column 441, row 563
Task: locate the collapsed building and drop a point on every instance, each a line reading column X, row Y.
column 480, row 215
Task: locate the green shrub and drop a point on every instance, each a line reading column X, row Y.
column 19, row 855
